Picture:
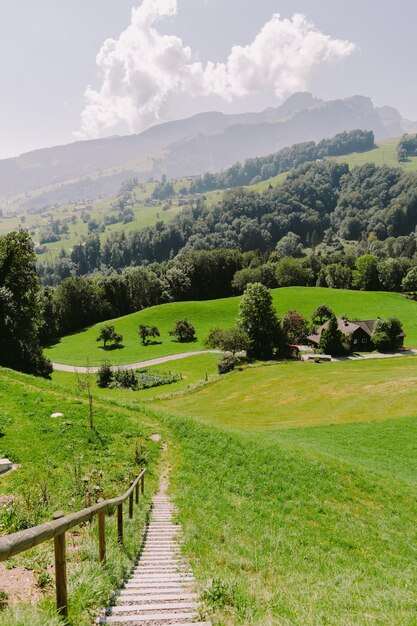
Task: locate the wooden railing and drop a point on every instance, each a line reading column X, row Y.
column 10, row 545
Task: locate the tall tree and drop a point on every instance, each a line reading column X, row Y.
column 20, row 307
column 257, row 317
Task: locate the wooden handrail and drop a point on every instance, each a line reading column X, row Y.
column 11, row 545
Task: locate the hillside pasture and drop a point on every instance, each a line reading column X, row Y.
column 296, row 395
column 301, row 530
column 63, row 464
column 81, row 347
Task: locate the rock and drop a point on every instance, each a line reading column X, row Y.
column 5, row 465
column 155, row 437
column 57, row 415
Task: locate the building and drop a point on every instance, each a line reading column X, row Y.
column 359, row 332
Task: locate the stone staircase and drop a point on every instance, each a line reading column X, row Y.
column 161, row 590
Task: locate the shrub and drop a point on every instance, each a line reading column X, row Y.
column 126, row 379
column 227, row 363
column 104, row 375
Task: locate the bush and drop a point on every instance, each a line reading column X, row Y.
column 227, row 363
column 104, row 375
column 126, row 379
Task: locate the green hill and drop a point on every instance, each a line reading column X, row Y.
column 76, row 349
column 384, row 154
column 63, row 464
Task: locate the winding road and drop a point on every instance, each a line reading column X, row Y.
column 73, row 369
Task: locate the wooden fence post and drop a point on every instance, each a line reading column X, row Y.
column 131, row 502
column 120, row 523
column 137, row 493
column 142, row 484
column 102, row 536
column 61, row 571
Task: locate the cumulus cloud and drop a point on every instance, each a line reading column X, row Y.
column 143, row 68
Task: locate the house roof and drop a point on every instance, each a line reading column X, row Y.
column 348, row 328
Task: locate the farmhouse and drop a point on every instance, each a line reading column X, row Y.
column 359, row 332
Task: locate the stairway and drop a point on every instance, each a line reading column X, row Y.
column 161, row 590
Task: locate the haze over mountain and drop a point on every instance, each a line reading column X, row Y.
column 205, row 142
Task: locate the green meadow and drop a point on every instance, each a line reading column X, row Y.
column 295, row 395
column 63, row 464
column 385, row 153
column 81, row 347
column 295, row 483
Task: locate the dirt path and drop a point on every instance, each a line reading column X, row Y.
column 133, row 366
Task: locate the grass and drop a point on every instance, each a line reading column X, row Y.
column 264, row 398
column 64, row 465
column 193, row 371
column 385, row 153
column 76, row 349
column 283, row 533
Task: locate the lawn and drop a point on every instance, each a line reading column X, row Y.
column 76, row 349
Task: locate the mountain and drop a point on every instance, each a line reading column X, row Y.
column 208, row 141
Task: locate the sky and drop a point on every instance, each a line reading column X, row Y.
column 93, row 68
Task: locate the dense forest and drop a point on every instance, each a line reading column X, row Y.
column 253, row 171
column 324, row 206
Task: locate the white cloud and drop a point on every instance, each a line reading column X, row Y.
column 143, row 68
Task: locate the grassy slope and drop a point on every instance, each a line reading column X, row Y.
column 384, row 154
column 50, row 450
column 291, row 395
column 76, row 349
column 293, row 535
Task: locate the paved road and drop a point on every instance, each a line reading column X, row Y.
column 133, row 366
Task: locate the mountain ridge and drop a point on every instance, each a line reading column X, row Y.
column 208, row 141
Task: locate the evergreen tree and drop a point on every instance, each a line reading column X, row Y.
column 332, row 340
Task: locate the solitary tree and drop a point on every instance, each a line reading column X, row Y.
column 184, row 331
column 260, row 322
column 108, row 334
column 147, row 332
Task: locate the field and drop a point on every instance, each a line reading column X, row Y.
column 302, row 528
column 76, row 349
column 274, row 397
column 384, row 154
